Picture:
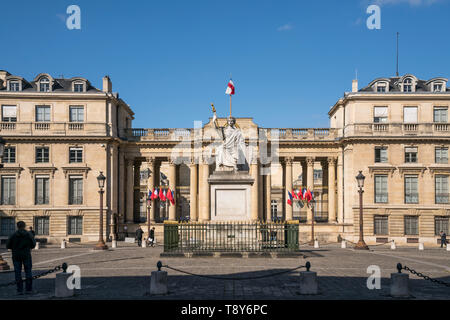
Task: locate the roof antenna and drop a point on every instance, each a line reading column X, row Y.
column 397, row 53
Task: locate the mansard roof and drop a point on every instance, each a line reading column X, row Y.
column 395, row 84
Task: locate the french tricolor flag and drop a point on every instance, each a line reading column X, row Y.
column 289, row 201
column 230, row 88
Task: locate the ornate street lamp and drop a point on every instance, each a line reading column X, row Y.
column 149, row 203
column 361, row 245
column 101, row 184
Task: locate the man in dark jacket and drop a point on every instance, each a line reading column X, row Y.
column 152, row 236
column 443, row 239
column 139, row 233
column 21, row 243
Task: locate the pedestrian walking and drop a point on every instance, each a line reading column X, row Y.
column 139, row 233
column 20, row 243
column 443, row 239
column 30, row 228
column 152, row 236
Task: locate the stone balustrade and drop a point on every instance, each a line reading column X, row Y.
column 53, row 129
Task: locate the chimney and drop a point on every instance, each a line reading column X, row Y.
column 107, row 85
column 355, row 85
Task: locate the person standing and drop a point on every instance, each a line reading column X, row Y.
column 139, row 233
column 152, row 236
column 30, row 228
column 20, row 243
column 443, row 239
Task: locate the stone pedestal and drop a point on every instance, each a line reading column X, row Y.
column 343, row 244
column 114, row 244
column 158, row 282
column 399, row 285
column 421, row 246
column 61, row 289
column 63, row 244
column 37, row 246
column 231, row 196
column 308, row 282
column 393, row 247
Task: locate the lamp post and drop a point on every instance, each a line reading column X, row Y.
column 361, row 245
column 101, row 184
column 312, row 222
column 149, row 202
column 3, row 264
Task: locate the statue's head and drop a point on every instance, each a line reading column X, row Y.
column 231, row 121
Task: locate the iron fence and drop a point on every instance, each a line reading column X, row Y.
column 230, row 237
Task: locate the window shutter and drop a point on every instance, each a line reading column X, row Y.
column 410, row 114
column 380, row 111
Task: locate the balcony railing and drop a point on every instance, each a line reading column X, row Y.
column 411, row 198
column 52, row 128
column 397, row 129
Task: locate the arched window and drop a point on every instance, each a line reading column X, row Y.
column 44, row 85
column 408, row 85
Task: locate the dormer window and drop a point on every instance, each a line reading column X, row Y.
column 437, row 87
column 408, row 85
column 14, row 85
column 44, row 85
column 78, row 87
column 381, row 87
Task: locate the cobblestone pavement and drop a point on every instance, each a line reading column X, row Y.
column 124, row 273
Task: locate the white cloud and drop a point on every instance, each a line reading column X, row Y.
column 285, row 27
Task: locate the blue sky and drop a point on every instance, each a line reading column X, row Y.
column 290, row 60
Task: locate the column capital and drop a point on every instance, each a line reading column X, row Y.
column 332, row 161
column 150, row 160
column 289, row 160
column 310, row 161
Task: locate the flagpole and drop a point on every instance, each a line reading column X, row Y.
column 230, row 105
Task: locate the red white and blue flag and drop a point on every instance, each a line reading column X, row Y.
column 161, row 195
column 289, row 201
column 170, row 196
column 154, row 194
column 230, row 88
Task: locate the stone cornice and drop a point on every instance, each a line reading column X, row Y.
column 76, row 170
column 385, row 168
column 49, row 169
column 16, row 170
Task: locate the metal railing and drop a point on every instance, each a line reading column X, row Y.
column 230, row 237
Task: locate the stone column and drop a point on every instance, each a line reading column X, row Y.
column 331, row 190
column 137, row 191
column 151, row 185
column 340, row 189
column 288, row 165
column 129, row 191
column 172, row 176
column 254, row 190
column 322, row 205
column 205, row 213
column 268, row 196
column 310, row 183
column 193, row 191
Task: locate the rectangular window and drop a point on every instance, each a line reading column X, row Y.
column 381, row 154
column 42, row 190
column 441, row 224
column 7, row 226
column 381, row 226
column 410, row 114
column 441, row 155
column 411, row 154
column 75, row 190
column 9, row 155
column 42, row 113
column 411, row 225
column 8, row 190
column 381, row 189
column 42, row 155
column 274, row 209
column 381, row 88
column 9, row 113
column 76, row 113
column 441, row 189
column 411, row 189
column 75, row 225
column 380, row 114
column 437, row 87
column 14, row 86
column 75, row 155
column 78, row 87
column 42, row 226
column 440, row 114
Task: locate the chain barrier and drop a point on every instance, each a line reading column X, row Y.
column 421, row 275
column 160, row 265
column 57, row 268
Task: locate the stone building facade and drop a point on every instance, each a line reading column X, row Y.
column 60, row 133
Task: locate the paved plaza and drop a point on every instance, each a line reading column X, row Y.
column 124, row 273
